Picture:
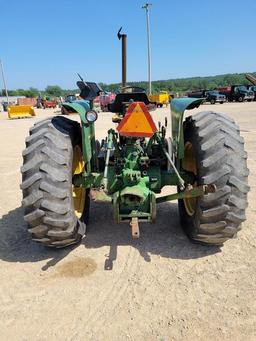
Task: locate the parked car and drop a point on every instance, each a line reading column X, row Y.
column 212, row 96
column 5, row 105
column 70, row 98
column 253, row 89
column 237, row 93
column 47, row 103
column 105, row 99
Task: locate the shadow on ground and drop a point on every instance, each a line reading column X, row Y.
column 165, row 238
column 17, row 246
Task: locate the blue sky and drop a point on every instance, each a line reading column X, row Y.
column 46, row 42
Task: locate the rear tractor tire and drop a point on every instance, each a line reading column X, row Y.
column 214, row 152
column 56, row 212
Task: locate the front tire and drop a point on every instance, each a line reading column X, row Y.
column 214, row 152
column 50, row 201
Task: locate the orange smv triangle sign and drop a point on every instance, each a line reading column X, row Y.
column 137, row 122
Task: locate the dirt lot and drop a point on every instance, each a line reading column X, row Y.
column 110, row 287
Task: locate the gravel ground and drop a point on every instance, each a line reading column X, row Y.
column 110, row 287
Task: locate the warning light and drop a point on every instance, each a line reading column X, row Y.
column 137, row 122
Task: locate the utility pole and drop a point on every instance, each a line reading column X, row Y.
column 6, row 92
column 146, row 7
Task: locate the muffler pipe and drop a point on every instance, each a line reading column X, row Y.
column 123, row 37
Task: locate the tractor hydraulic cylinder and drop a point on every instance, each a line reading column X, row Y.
column 181, row 181
column 168, row 156
column 109, row 148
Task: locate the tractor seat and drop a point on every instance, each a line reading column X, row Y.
column 123, row 98
column 89, row 90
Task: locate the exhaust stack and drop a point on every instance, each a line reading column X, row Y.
column 124, row 39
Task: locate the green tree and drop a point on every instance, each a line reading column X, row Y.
column 54, row 90
column 33, row 92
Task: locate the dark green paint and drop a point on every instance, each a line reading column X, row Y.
column 195, row 192
column 178, row 107
column 132, row 185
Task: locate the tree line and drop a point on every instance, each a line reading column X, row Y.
column 180, row 85
column 49, row 91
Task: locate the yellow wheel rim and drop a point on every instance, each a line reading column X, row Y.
column 79, row 193
column 189, row 164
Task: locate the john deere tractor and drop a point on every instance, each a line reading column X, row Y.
column 65, row 168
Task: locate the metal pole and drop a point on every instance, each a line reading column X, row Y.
column 123, row 37
column 6, row 92
column 124, row 60
column 146, row 7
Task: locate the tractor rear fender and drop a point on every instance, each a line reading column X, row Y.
column 178, row 107
column 88, row 131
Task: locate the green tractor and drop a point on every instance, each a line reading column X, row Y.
column 65, row 168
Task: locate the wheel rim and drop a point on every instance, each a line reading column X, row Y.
column 189, row 164
column 78, row 193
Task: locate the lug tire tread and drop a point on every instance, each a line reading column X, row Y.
column 221, row 160
column 47, row 182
